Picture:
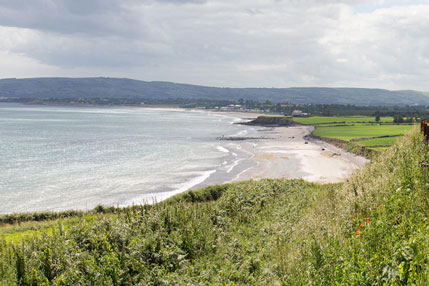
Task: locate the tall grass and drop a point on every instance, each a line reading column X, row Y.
column 371, row 230
column 375, row 231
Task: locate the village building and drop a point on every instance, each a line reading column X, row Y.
column 299, row 113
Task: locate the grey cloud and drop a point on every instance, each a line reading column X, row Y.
column 181, row 1
column 60, row 16
column 92, row 18
column 228, row 43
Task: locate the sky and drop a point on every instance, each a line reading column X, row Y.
column 224, row 43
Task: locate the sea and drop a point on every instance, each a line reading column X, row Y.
column 59, row 158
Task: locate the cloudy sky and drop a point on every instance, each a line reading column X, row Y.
column 235, row 43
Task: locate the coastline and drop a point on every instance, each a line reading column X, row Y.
column 263, row 152
column 288, row 152
column 284, row 152
column 235, row 114
column 290, row 155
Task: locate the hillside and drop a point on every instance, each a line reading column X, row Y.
column 371, row 230
column 61, row 88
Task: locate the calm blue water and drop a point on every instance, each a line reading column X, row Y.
column 57, row 158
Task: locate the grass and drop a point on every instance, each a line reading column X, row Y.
column 348, row 133
column 370, row 230
column 385, row 141
column 379, row 149
column 319, row 120
column 369, row 136
column 19, row 232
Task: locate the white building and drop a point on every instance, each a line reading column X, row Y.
column 298, row 113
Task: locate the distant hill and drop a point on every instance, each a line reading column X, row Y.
column 127, row 88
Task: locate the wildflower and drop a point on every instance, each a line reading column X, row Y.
column 368, row 220
column 361, row 226
column 358, row 233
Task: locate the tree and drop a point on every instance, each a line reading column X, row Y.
column 278, row 108
column 398, row 119
column 377, row 118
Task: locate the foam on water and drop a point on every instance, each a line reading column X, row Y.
column 151, row 198
column 222, row 149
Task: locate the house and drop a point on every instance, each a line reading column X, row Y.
column 299, row 113
column 233, row 107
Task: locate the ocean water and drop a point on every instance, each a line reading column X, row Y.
column 58, row 158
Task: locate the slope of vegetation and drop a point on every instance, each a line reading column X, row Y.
column 370, row 230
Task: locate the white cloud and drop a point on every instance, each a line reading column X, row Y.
column 220, row 42
column 15, row 65
column 387, row 46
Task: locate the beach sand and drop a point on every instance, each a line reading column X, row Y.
column 289, row 156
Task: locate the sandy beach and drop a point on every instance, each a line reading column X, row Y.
column 291, row 154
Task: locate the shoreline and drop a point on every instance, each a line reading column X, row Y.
column 286, row 153
column 275, row 152
column 291, row 155
column 240, row 114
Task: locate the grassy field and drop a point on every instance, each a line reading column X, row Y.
column 348, row 133
column 385, row 141
column 318, row 120
column 370, row 230
column 363, row 130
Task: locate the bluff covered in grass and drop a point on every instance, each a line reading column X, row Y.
column 370, row 230
column 270, row 121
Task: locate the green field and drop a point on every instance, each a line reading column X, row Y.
column 362, row 130
column 385, row 141
column 348, row 133
column 317, row 120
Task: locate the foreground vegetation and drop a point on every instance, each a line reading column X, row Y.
column 371, row 230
